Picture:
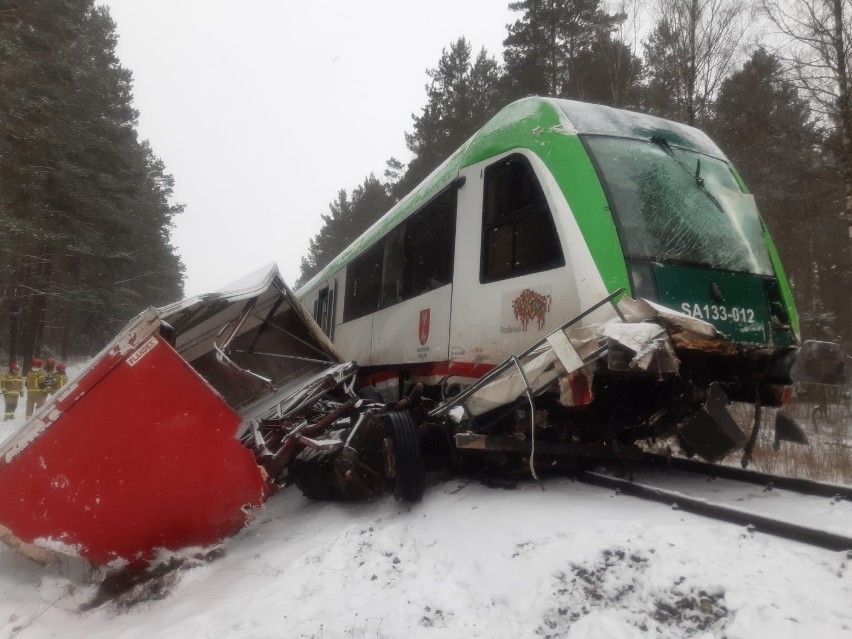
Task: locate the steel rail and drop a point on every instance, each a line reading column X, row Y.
column 754, row 522
column 794, row 484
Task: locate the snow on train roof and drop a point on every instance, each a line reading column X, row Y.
column 517, row 125
column 595, row 119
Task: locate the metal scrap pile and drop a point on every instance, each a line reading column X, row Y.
column 334, row 444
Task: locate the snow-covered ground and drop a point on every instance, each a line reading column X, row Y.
column 469, row 561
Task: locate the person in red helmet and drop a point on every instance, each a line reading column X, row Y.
column 61, row 377
column 12, row 387
column 35, row 387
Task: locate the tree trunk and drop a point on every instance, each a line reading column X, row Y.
column 13, row 307
column 34, row 327
column 844, row 104
column 692, row 72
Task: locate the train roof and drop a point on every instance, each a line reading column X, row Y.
column 594, row 119
column 530, row 123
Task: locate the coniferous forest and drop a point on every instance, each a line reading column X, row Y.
column 86, row 210
column 769, row 80
column 85, row 214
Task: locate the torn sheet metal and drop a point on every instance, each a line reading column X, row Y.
column 634, row 337
column 540, row 369
column 536, row 367
column 642, row 331
column 141, row 451
column 642, row 310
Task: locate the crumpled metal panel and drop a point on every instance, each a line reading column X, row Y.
column 146, row 458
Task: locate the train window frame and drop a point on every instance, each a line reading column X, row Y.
column 621, row 214
column 324, row 309
column 357, row 304
column 414, row 238
column 391, row 288
column 512, row 219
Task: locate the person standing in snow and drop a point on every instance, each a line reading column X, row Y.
column 60, row 379
column 12, row 385
column 35, row 387
column 48, row 386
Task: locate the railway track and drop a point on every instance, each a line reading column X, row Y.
column 795, row 484
column 704, row 489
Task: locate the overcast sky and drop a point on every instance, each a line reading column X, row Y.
column 263, row 109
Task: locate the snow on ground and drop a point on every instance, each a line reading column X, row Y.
column 572, row 561
column 10, row 426
column 469, row 561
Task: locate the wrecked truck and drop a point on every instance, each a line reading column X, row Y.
column 185, row 423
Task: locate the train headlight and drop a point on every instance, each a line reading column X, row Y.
column 643, row 281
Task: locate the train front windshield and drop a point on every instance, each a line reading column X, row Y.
column 675, row 205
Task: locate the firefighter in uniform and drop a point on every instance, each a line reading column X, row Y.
column 12, row 386
column 60, row 379
column 35, row 387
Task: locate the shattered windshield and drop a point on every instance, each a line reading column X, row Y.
column 677, row 205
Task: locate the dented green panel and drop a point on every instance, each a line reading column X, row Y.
column 739, row 305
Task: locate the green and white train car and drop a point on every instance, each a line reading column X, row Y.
column 551, row 206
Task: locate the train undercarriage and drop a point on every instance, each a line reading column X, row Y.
column 646, row 376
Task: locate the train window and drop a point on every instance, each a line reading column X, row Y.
column 418, row 254
column 324, row 310
column 392, row 267
column 518, row 233
column 363, row 284
column 673, row 204
column 430, row 246
column 331, row 312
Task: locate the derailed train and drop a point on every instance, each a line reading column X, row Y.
column 552, row 206
column 575, row 278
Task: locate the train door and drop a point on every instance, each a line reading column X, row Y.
column 359, row 300
column 413, row 321
column 324, row 309
column 512, row 286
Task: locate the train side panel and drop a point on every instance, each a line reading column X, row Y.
column 505, row 300
column 415, row 331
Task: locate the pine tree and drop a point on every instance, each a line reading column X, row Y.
column 85, row 209
column 548, row 50
column 819, row 60
column 607, row 73
column 348, row 218
column 769, row 132
column 460, row 98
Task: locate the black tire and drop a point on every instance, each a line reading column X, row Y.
column 408, row 450
column 370, row 393
column 311, row 477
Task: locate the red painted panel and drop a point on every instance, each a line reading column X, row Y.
column 450, row 368
column 146, row 458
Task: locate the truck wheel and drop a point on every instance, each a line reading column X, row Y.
column 407, row 448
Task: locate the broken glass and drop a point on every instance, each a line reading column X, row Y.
column 669, row 209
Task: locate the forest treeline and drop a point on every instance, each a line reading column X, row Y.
column 85, row 212
column 769, row 80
